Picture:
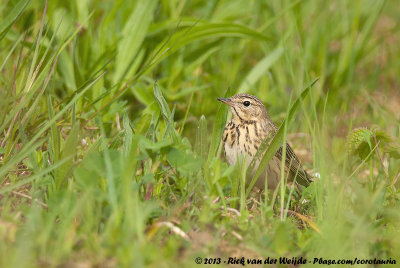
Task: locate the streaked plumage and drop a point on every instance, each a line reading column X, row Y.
column 249, row 126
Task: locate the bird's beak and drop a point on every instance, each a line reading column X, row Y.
column 226, row 100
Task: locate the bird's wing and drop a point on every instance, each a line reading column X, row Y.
column 294, row 165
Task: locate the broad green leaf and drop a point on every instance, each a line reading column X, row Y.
column 213, row 30
column 185, row 163
column 133, row 34
column 143, row 124
column 68, row 152
column 197, row 32
column 259, row 70
column 82, row 7
column 146, row 144
column 142, row 93
column 66, row 68
column 281, row 238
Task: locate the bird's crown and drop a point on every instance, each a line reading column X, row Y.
column 246, row 107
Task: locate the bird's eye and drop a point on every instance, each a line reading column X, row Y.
column 246, row 103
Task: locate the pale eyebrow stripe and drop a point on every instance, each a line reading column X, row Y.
column 255, row 99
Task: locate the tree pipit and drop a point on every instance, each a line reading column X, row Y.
column 243, row 135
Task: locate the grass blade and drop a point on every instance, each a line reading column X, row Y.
column 33, row 144
column 166, row 112
column 219, row 125
column 201, row 137
column 128, row 135
column 12, row 16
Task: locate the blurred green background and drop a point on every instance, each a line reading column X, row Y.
column 110, row 130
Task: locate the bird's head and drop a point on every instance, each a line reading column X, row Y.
column 245, row 107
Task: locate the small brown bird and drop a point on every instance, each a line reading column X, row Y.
column 249, row 126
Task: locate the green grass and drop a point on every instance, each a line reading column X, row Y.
column 110, row 130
